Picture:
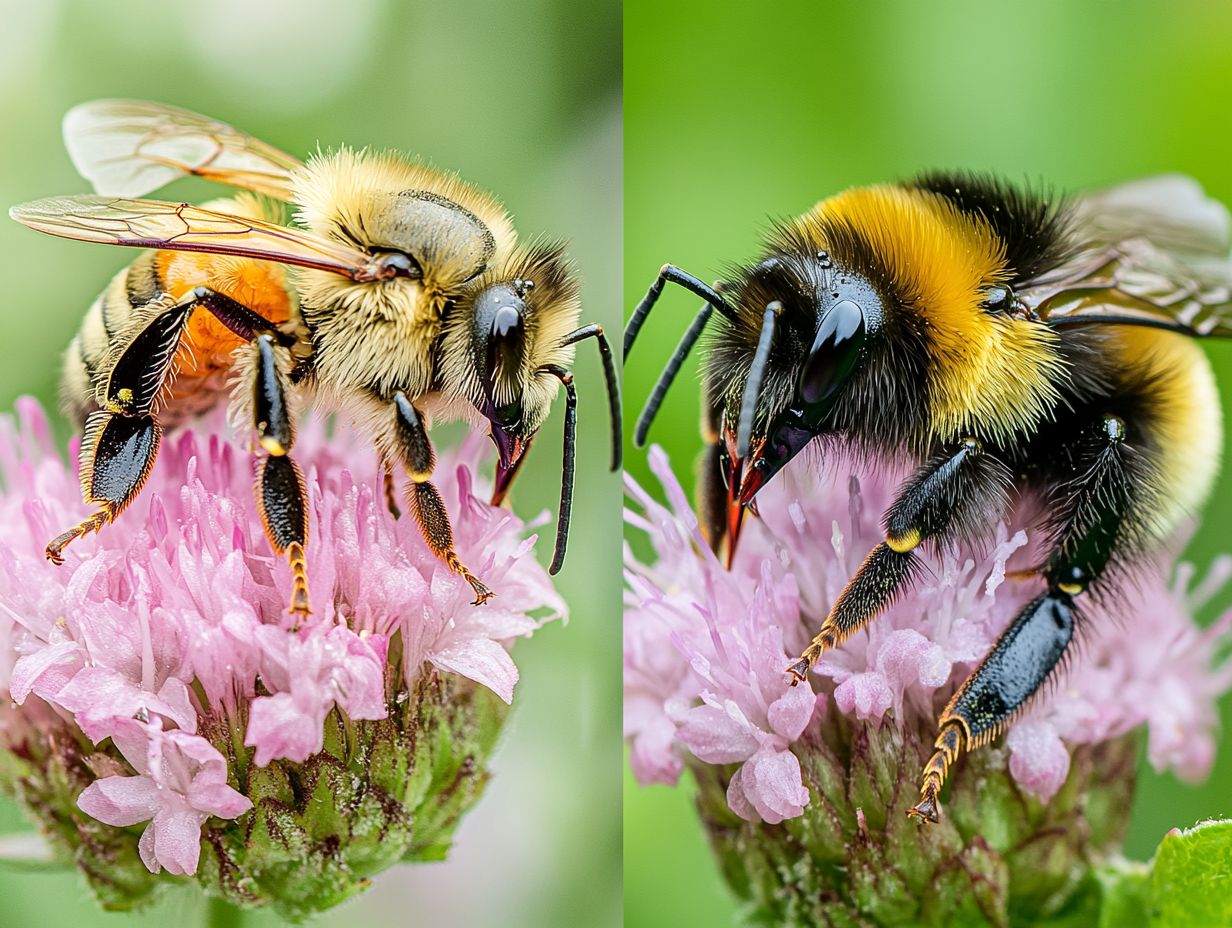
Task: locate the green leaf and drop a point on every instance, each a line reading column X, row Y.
column 1126, row 888
column 1191, row 877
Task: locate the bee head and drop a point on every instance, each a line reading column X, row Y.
column 504, row 335
column 803, row 332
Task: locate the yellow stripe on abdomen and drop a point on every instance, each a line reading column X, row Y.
column 1182, row 415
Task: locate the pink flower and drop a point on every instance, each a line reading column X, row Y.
column 181, row 782
column 310, row 672
column 705, row 648
column 174, row 616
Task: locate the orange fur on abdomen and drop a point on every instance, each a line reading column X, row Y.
column 206, row 354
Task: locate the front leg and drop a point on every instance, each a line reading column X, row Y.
column 957, row 493
column 412, row 446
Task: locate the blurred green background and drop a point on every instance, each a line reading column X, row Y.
column 523, row 99
column 736, row 113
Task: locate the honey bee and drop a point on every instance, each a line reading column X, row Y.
column 401, row 297
column 1013, row 347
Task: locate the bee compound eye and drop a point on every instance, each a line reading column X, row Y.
column 834, row 354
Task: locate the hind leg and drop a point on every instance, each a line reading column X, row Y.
column 120, row 442
column 117, row 454
column 1095, row 522
column 121, row 439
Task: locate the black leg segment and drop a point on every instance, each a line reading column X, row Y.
column 282, row 500
column 613, row 384
column 414, row 446
column 429, row 510
column 1092, row 515
column 144, row 367
column 959, row 492
column 273, row 420
column 117, row 454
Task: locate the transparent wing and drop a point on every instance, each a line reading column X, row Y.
column 130, row 148
column 183, row 227
column 1171, row 211
column 1152, row 252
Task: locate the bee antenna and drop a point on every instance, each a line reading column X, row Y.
column 566, row 480
column 595, row 331
column 651, row 409
column 683, row 279
column 757, row 373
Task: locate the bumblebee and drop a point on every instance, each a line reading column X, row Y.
column 401, row 297
column 1020, row 351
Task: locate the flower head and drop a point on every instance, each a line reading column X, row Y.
column 706, row 648
column 161, row 647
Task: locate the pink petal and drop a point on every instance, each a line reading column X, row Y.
column 45, row 671
column 1039, row 760
column 791, row 712
column 864, row 694
column 218, row 799
column 176, row 841
column 277, row 728
column 737, row 801
column 483, row 661
column 97, row 696
column 715, row 737
column 652, row 756
column 145, row 847
column 772, row 784
column 132, row 738
column 119, row 800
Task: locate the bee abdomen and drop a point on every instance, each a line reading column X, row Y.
column 110, row 318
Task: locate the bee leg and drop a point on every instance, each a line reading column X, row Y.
column 282, row 498
column 671, row 273
column 424, row 499
column 988, row 700
column 1093, row 514
column 117, row 454
column 956, row 493
column 391, row 491
column 120, row 442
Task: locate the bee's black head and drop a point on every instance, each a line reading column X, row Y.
column 805, row 326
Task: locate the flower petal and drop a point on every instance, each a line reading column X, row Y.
column 714, row 736
column 483, row 661
column 1038, row 758
column 277, row 727
column 773, row 785
column 120, row 801
column 177, row 841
